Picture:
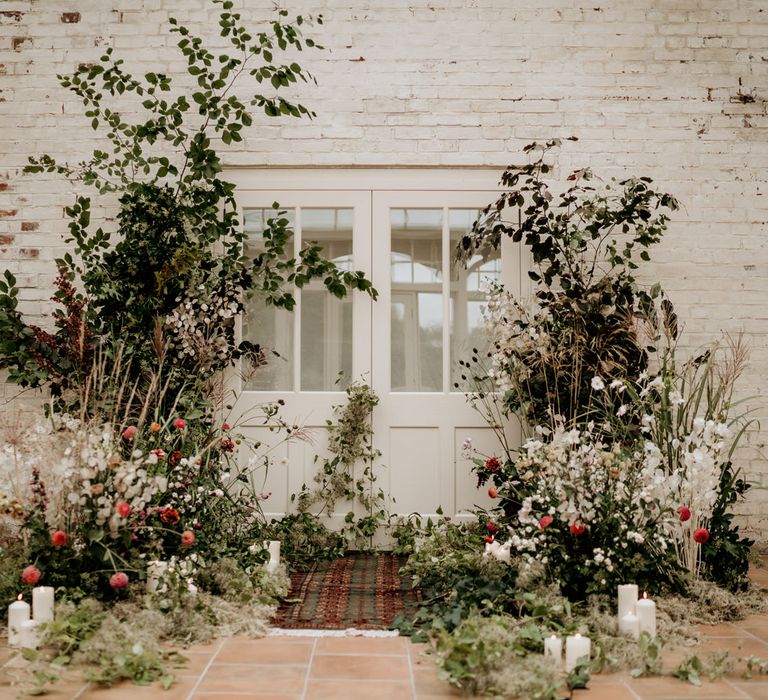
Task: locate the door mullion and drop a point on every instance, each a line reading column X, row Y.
column 297, row 238
column 446, row 303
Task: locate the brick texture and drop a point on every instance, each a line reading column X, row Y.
column 676, row 91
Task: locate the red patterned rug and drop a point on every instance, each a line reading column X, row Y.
column 364, row 591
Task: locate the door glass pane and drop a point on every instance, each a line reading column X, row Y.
column 263, row 325
column 417, row 308
column 468, row 285
column 326, row 322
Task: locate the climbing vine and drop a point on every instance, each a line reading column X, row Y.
column 350, row 443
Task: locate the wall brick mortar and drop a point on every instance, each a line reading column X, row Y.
column 647, row 89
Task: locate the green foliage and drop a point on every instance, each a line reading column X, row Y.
column 583, row 244
column 167, row 285
column 725, row 559
column 497, row 655
column 651, row 662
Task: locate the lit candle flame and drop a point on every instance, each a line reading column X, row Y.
column 578, row 636
column 20, row 596
column 645, row 595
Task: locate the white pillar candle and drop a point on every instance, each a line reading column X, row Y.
column 504, row 554
column 18, row 613
column 29, row 635
column 553, row 648
column 646, row 613
column 627, row 599
column 273, row 546
column 155, row 572
column 576, row 647
column 42, row 604
column 630, row 625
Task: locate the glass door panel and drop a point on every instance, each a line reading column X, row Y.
column 416, row 263
column 326, row 321
column 266, row 326
column 469, row 284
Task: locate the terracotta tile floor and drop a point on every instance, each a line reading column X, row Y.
column 392, row 668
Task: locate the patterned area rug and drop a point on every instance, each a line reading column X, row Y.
column 364, row 591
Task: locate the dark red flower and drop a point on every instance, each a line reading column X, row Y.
column 701, row 535
column 170, row 516
column 174, row 458
column 685, row 513
column 227, row 445
column 492, row 528
column 492, row 464
column 488, row 538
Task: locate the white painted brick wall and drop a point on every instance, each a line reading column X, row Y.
column 648, row 87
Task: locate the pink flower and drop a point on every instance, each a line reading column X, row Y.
column 187, row 538
column 129, row 432
column 578, row 528
column 31, row 575
column 701, row 535
column 179, row 423
column 118, row 580
column 546, row 521
column 684, row 512
column 225, row 426
column 123, row 509
column 59, row 538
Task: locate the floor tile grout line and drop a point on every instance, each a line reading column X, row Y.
column 411, row 674
column 84, row 687
column 309, row 669
column 744, row 693
column 630, row 689
column 206, row 669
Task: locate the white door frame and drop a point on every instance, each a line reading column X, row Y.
column 421, row 188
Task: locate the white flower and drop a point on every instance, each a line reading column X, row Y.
column 676, row 398
column 622, row 410
column 467, row 444
column 597, row 384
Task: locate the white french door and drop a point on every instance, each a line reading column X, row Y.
column 406, row 345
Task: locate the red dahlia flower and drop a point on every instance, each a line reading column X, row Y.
column 701, row 535
column 118, row 580
column 546, row 521
column 123, row 509
column 578, row 528
column 179, row 424
column 685, row 513
column 59, row 538
column 493, row 492
column 187, row 538
column 130, row 432
column 31, row 575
